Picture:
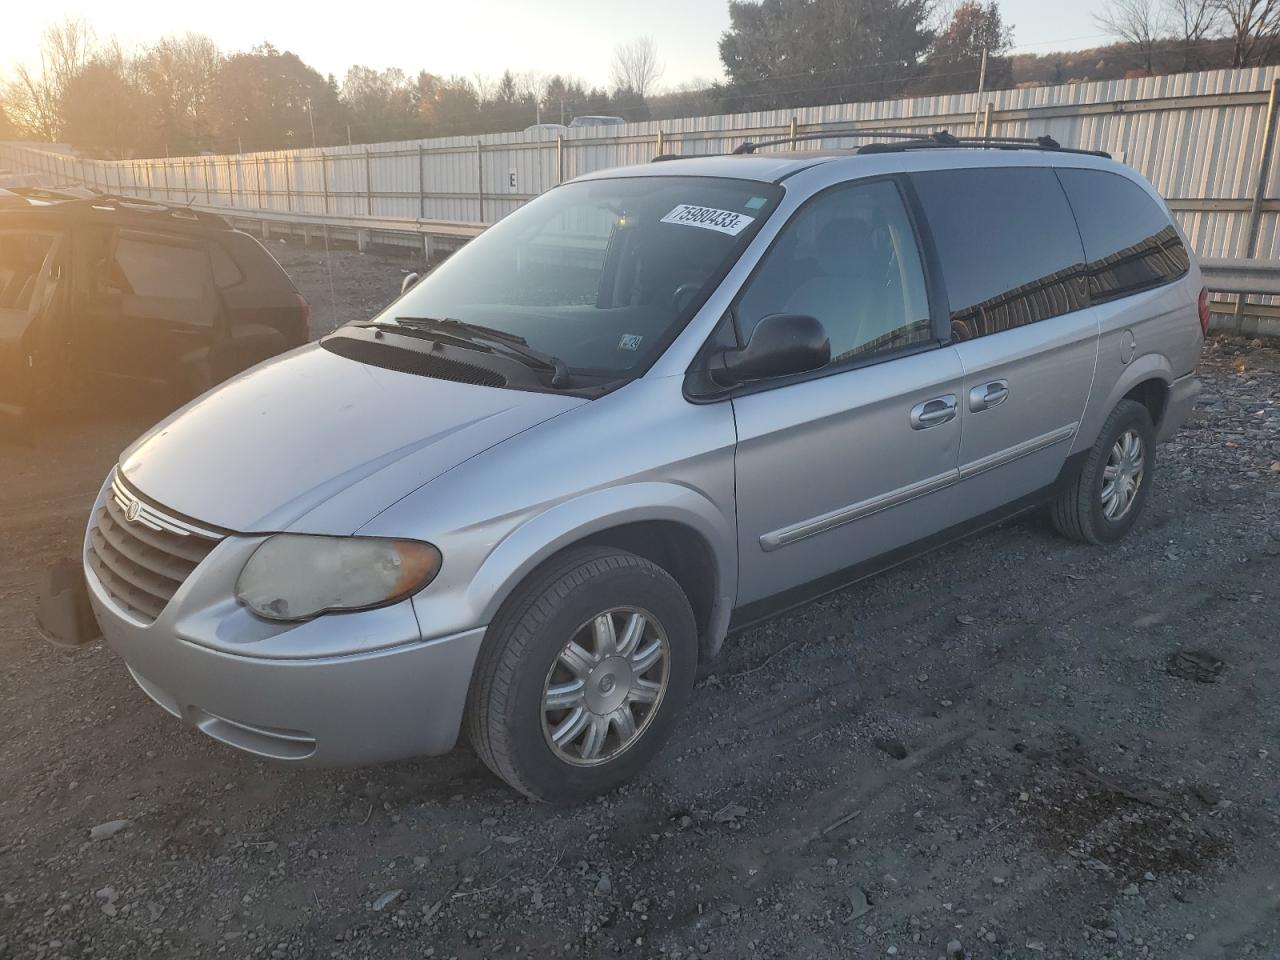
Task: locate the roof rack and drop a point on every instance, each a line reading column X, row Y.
column 921, row 141
column 944, row 139
column 750, row 146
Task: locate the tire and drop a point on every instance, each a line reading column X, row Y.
column 525, row 664
column 1079, row 511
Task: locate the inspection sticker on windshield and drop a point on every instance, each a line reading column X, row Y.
column 709, row 218
column 630, row 341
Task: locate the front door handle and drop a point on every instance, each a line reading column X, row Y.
column 933, row 412
column 988, row 395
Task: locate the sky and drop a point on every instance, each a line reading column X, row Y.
column 472, row 36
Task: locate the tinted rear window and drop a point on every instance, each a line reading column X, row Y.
column 1129, row 241
column 1009, row 247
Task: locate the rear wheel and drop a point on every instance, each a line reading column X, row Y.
column 1104, row 499
column 582, row 675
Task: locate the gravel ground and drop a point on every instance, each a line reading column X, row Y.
column 994, row 751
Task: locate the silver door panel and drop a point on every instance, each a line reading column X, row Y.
column 1016, row 446
column 831, row 473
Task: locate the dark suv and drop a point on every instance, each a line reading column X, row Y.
column 113, row 289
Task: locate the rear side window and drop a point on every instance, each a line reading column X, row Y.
column 154, row 269
column 1128, row 239
column 1009, row 246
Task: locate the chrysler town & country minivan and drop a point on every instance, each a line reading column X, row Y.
column 649, row 408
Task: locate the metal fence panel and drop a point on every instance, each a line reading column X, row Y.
column 1197, row 136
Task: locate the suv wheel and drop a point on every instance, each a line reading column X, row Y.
column 1105, row 498
column 582, row 675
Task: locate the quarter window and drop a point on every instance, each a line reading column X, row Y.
column 1129, row 241
column 1009, row 246
column 225, row 271
column 850, row 259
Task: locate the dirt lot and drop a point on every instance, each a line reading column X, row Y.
column 987, row 752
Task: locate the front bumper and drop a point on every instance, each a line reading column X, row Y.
column 399, row 700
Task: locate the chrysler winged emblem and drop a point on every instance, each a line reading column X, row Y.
column 135, row 508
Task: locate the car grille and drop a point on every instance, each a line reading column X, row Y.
column 140, row 554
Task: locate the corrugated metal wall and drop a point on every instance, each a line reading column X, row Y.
column 1198, row 137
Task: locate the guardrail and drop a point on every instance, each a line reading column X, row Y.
column 361, row 230
column 1238, row 277
column 1241, row 276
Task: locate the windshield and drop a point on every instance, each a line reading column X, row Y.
column 600, row 274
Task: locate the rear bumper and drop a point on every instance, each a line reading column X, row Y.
column 1183, row 394
column 397, row 701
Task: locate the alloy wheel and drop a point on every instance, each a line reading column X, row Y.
column 605, row 686
column 1122, row 476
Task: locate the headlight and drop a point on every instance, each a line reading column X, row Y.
column 296, row 576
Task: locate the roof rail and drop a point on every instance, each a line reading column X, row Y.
column 946, row 140
column 918, row 141
column 143, row 205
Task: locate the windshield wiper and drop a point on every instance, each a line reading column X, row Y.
column 509, row 343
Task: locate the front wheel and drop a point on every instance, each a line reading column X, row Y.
column 582, row 675
column 1104, row 499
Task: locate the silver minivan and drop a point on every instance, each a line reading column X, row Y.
column 646, row 410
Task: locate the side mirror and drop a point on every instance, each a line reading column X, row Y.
column 781, row 344
column 409, row 280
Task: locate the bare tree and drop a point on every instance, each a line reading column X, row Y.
column 1253, row 25
column 180, row 74
column 1139, row 22
column 636, row 68
column 1192, row 21
column 33, row 99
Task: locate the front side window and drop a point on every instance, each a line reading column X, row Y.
column 1129, row 241
column 602, row 273
column 849, row 258
column 1009, row 246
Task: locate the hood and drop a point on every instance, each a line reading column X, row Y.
column 317, row 443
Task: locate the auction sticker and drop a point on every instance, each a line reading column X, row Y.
column 709, row 218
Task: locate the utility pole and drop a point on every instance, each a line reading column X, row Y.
column 311, row 115
column 982, row 84
column 348, row 134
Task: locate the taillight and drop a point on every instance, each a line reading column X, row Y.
column 305, row 323
column 1204, row 310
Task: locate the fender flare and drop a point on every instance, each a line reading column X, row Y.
column 1150, row 366
column 570, row 521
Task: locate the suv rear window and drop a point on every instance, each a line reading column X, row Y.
column 1129, row 241
column 1008, row 243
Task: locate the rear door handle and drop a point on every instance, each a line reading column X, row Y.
column 988, row 395
column 933, row 412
